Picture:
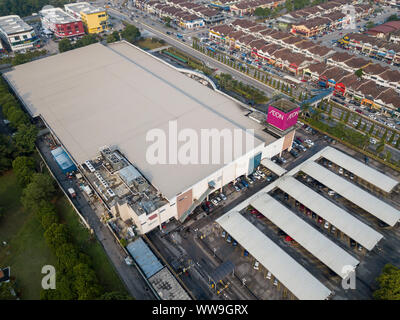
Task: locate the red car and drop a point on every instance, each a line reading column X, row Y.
column 259, row 216
column 301, row 207
column 308, row 212
column 303, row 80
column 254, row 211
column 288, row 239
column 320, row 220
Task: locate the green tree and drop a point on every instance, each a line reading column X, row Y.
column 359, row 73
column 371, row 130
column 380, row 148
column 389, row 284
column 65, row 45
column 130, row 33
column 86, row 283
column 364, row 127
column 7, row 153
column 40, row 188
column 358, row 124
column 25, row 138
column 56, row 235
column 113, row 37
column 24, row 168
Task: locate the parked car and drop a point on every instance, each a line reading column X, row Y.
column 320, row 220
column 223, row 197
column 245, row 253
column 244, row 182
column 331, row 193
column 229, row 239
column 340, row 170
column 214, row 201
column 275, row 282
column 223, row 234
column 234, row 243
column 269, row 274
column 256, row 265
column 294, row 153
column 236, row 187
column 326, row 225
column 352, row 243
column 359, row 247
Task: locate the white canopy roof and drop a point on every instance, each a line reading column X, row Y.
column 360, row 169
column 345, row 222
column 287, row 270
column 329, row 253
column 273, row 166
column 348, row 190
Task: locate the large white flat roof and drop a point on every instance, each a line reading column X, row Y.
column 287, row 270
column 97, row 95
column 360, row 169
column 353, row 193
column 335, row 215
column 329, row 253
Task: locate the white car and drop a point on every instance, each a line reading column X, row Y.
column 236, row 187
column 218, row 199
column 260, row 173
column 269, row 274
column 275, row 282
column 326, row 225
column 333, row 229
column 223, row 197
column 331, row 193
column 256, row 265
column 340, row 170
column 214, row 201
column 372, row 116
column 372, row 140
column 309, row 142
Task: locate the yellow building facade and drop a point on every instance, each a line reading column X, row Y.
column 95, row 22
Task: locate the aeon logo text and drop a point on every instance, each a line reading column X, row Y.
column 276, row 114
column 292, row 115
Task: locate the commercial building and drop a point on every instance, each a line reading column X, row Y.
column 62, row 24
column 125, row 99
column 16, row 34
column 94, row 19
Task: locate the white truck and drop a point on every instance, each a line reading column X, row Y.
column 72, row 192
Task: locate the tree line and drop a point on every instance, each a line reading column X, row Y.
column 76, row 278
column 27, row 7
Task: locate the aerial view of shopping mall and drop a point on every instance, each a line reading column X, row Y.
column 209, row 150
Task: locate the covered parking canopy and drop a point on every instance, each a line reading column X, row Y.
column 348, row 224
column 356, row 195
column 329, row 253
column 273, row 166
column 361, row 170
column 287, row 270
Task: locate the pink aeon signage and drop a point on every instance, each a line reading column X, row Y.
column 281, row 119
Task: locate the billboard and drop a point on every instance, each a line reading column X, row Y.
column 282, row 120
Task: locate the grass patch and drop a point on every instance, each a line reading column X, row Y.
column 89, row 245
column 149, row 43
column 27, row 251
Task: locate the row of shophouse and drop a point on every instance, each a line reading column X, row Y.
column 379, row 87
column 188, row 15
column 373, row 47
column 328, row 17
column 247, row 7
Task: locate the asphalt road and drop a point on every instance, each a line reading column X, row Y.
column 186, row 47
